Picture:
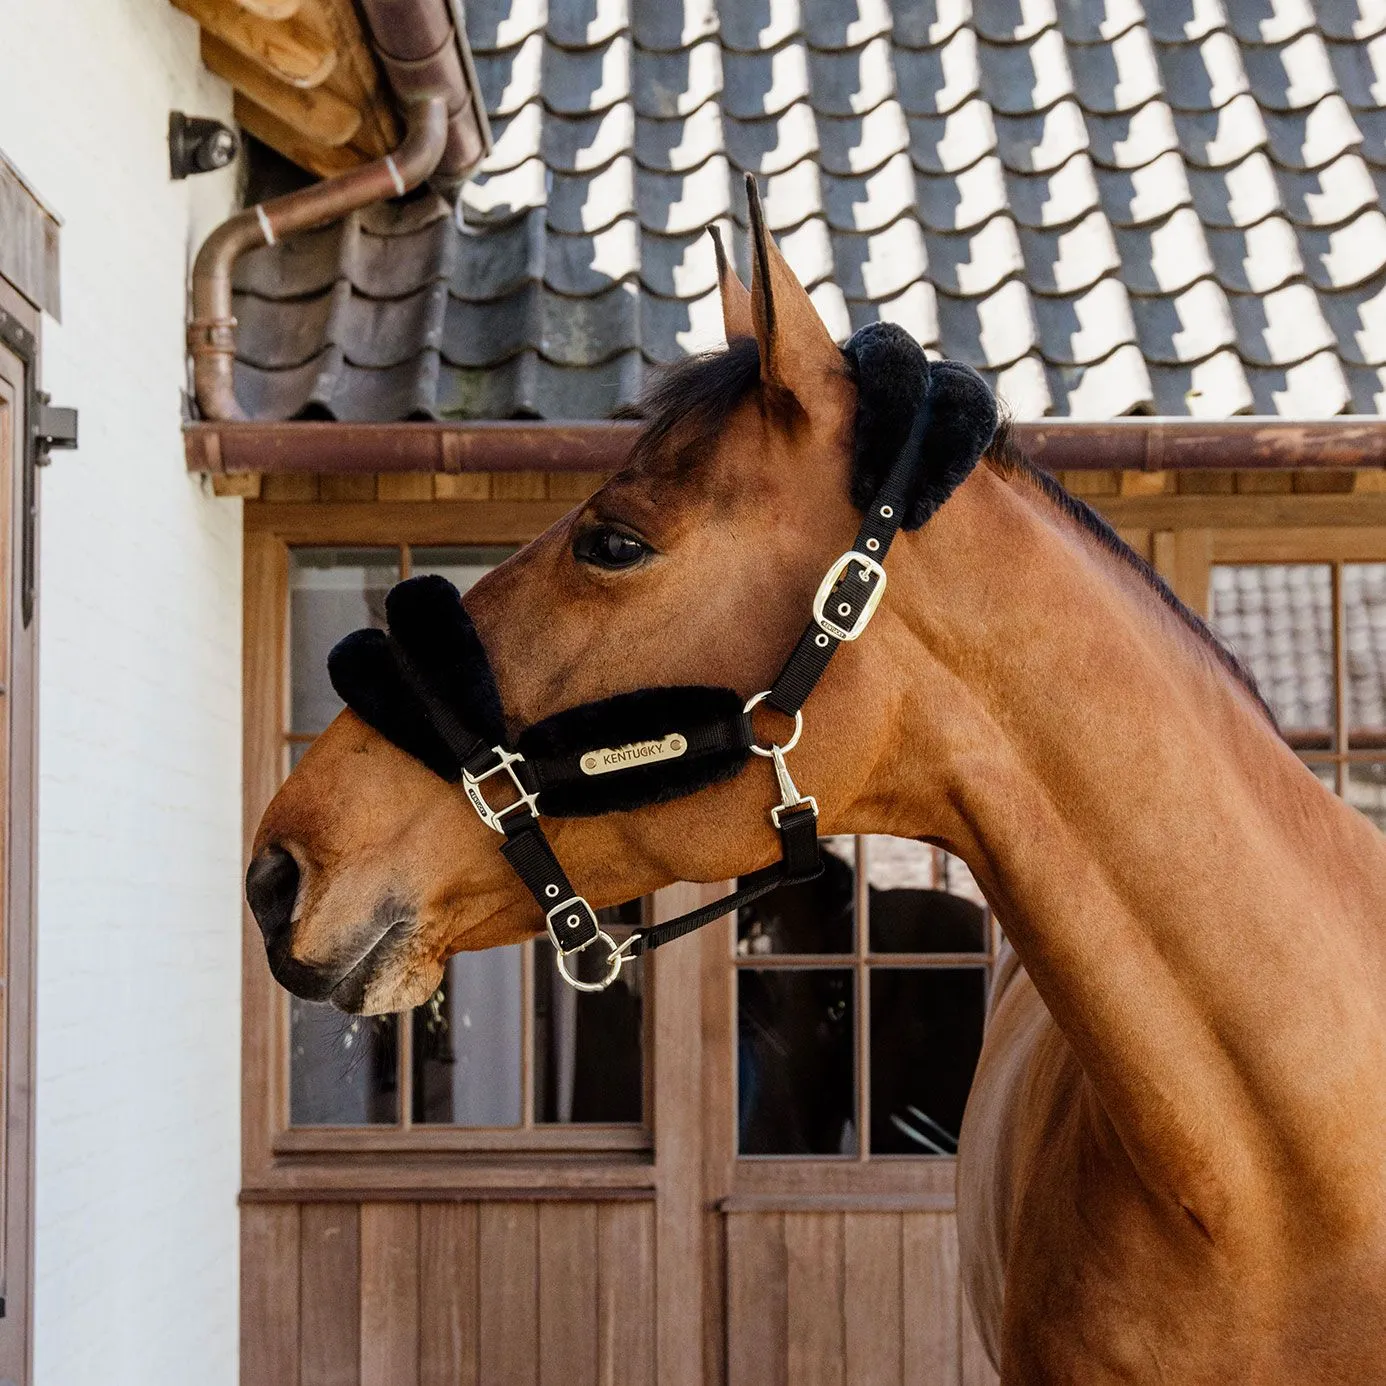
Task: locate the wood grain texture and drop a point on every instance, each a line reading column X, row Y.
column 757, row 1312
column 1183, row 558
column 508, row 1300
column 872, row 1296
column 404, row 486
column 389, row 1294
column 269, row 1296
column 929, row 1300
column 330, row 1295
column 815, row 1338
column 448, row 1288
column 626, row 1295
column 677, row 1101
column 568, row 1290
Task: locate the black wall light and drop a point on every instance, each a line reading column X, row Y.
column 198, row 145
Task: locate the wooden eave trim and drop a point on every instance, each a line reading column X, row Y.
column 1131, row 444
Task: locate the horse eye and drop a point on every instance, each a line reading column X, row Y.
column 607, row 547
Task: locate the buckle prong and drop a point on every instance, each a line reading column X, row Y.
column 831, row 578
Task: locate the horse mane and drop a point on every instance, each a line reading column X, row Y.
column 690, row 402
column 1006, row 457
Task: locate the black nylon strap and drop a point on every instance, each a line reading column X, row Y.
column 850, row 593
column 532, row 859
column 800, row 861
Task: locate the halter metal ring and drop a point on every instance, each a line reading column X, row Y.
column 615, row 958
column 772, row 748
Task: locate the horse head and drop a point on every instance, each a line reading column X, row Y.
column 694, row 568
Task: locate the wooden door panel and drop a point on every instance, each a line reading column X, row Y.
column 16, row 870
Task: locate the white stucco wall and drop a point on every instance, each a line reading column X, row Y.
column 139, row 831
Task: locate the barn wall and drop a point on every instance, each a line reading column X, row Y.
column 139, row 835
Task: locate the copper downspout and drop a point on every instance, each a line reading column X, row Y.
column 212, row 331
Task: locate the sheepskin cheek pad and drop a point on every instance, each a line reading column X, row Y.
column 368, row 680
column 893, row 375
column 430, row 629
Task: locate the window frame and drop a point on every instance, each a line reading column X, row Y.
column 281, row 1160
column 863, row 962
column 20, row 339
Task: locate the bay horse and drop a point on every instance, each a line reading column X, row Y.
column 1173, row 1162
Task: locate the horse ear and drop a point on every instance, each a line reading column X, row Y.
column 795, row 348
column 736, row 297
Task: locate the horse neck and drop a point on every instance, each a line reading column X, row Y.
column 1189, row 901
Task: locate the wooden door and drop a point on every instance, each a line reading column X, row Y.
column 16, row 935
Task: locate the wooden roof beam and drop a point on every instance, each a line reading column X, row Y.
column 290, row 50
column 317, row 114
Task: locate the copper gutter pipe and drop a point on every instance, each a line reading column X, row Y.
column 212, row 331
column 1057, row 445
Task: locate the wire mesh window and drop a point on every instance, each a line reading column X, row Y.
column 860, row 1003
column 1314, row 637
column 503, row 1046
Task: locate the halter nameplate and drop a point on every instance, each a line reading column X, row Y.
column 604, row 761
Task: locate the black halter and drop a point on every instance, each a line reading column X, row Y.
column 427, row 686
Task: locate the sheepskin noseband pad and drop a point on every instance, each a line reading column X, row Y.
column 426, row 685
column 639, row 748
column 895, row 380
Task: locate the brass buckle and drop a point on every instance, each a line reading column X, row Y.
column 868, row 566
column 506, row 762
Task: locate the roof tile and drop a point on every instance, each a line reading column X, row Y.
column 1165, row 257
column 993, row 331
column 1186, row 21
column 1214, row 139
column 1116, row 76
column 923, row 23
column 773, row 143
column 1214, row 388
column 1019, row 78
column 950, row 143
column 1107, row 205
column 974, row 262
column 1256, row 259
column 1314, row 137
column 1270, row 21
column 1187, row 326
column 1291, row 76
column 858, row 144
column 1312, row 389
column 1119, row 381
column 1351, row 19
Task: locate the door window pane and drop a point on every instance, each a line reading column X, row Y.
column 910, row 904
column 587, row 1061
column 343, row 1069
column 926, row 1034
column 1364, row 631
column 795, row 1062
column 332, row 592
column 468, row 1042
column 815, row 917
column 462, row 565
column 1278, row 618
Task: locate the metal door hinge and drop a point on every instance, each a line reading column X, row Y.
column 53, row 427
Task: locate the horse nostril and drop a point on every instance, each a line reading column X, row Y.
column 271, row 887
